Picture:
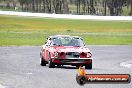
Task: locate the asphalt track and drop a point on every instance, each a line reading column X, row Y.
column 19, row 68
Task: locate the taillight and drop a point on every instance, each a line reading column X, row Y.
column 61, row 55
column 83, row 55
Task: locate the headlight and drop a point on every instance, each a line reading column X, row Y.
column 89, row 55
column 83, row 55
column 56, row 54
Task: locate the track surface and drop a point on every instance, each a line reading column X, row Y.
column 19, row 68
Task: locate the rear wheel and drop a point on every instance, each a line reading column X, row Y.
column 89, row 66
column 42, row 62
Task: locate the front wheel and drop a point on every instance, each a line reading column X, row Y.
column 78, row 66
column 89, row 66
column 51, row 64
column 42, row 62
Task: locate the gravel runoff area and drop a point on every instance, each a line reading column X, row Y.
column 68, row 16
column 20, row 68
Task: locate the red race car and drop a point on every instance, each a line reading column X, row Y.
column 65, row 50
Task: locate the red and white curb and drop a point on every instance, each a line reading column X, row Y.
column 127, row 64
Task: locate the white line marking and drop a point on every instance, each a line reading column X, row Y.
column 29, row 73
column 1, row 86
column 68, row 16
column 127, row 64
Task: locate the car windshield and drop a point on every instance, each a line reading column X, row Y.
column 67, row 41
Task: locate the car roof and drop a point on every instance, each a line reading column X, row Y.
column 54, row 36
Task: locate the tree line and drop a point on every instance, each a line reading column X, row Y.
column 84, row 7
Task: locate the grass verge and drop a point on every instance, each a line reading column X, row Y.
column 15, row 30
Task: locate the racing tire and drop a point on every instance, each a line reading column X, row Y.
column 51, row 64
column 42, row 62
column 77, row 66
column 89, row 66
column 59, row 65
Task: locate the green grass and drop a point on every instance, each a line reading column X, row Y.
column 15, row 30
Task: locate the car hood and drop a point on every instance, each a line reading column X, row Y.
column 70, row 49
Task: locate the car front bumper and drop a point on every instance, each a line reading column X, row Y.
column 73, row 61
